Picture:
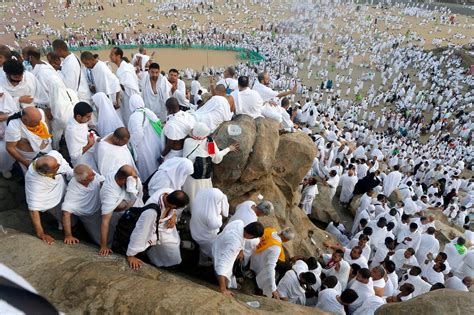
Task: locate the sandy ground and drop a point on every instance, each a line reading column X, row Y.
column 143, row 15
column 182, row 58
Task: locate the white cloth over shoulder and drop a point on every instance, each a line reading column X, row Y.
column 171, row 174
column 179, row 125
column 214, row 112
column 226, row 248
column 62, row 101
column 145, row 141
column 265, row 92
column 83, row 200
column 111, row 195
column 108, row 119
column 112, row 157
column 210, row 206
column 156, row 102
column 105, row 81
column 327, row 301
column 248, row 102
column 76, row 135
column 44, row 193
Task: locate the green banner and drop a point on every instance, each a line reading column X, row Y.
column 243, row 53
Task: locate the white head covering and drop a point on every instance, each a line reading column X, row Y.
column 108, row 119
column 62, row 101
column 135, row 102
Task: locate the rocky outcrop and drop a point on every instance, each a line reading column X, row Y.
column 78, row 281
column 442, row 301
column 272, row 165
column 324, row 210
column 446, row 231
column 354, row 204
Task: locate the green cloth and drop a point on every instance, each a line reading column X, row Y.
column 155, row 124
column 460, row 248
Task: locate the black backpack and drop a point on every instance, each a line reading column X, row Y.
column 126, row 225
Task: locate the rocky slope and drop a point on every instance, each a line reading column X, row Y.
column 272, row 165
column 443, row 301
column 77, row 281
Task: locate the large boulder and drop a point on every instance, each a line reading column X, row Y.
column 446, row 230
column 78, row 281
column 324, row 210
column 272, row 165
column 442, row 301
column 354, row 204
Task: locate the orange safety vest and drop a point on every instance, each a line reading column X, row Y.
column 267, row 240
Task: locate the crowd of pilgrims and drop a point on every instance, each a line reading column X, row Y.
column 137, row 156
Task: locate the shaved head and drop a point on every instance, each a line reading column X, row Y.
column 220, row 90
column 46, row 164
column 125, row 171
column 172, row 105
column 120, row 136
column 31, row 116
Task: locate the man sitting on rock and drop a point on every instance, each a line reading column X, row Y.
column 334, row 265
column 292, row 287
column 330, row 300
column 45, row 185
column 247, row 101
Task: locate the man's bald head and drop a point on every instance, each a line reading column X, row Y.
column 172, row 106
column 46, row 165
column 220, row 90
column 31, row 116
column 124, row 172
column 120, row 136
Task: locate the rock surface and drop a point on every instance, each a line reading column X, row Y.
column 354, row 204
column 77, row 281
column 272, row 165
column 324, row 210
column 442, row 301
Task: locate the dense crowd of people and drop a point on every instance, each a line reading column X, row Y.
column 130, row 154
